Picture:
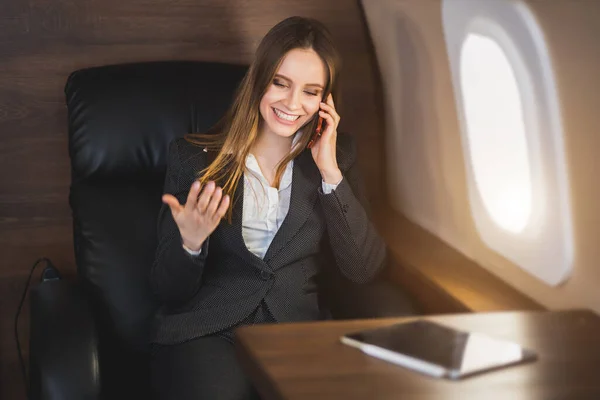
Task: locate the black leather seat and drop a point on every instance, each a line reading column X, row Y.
column 89, row 337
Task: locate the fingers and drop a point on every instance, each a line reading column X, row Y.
column 330, row 100
column 214, row 201
column 330, row 128
column 223, row 207
column 204, row 199
column 172, row 202
column 192, row 197
column 218, row 205
column 210, row 202
column 330, row 110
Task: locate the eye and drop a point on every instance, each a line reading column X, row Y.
column 311, row 93
column 278, row 83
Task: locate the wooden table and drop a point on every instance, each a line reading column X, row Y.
column 307, row 361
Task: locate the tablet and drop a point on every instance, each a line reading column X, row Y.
column 438, row 350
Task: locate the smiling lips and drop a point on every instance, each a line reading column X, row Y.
column 285, row 118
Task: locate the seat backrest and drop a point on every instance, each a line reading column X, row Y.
column 121, row 119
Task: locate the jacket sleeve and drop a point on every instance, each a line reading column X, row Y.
column 359, row 251
column 175, row 275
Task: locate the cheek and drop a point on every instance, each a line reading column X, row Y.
column 270, row 97
column 265, row 103
column 311, row 107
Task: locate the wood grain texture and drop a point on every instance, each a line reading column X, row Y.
column 307, row 360
column 42, row 41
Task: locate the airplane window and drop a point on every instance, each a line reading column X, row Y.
column 496, row 132
column 510, row 123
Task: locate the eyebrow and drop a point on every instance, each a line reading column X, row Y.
column 289, row 80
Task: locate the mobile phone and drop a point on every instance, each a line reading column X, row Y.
column 316, row 135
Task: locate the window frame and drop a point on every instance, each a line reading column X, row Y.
column 545, row 246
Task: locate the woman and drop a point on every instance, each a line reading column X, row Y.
column 248, row 209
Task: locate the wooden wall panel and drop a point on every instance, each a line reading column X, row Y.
column 42, row 41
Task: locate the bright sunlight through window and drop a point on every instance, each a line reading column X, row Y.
column 496, row 132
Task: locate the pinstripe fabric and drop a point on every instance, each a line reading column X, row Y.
column 226, row 283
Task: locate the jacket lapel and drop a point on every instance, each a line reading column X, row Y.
column 306, row 180
column 305, row 183
column 232, row 233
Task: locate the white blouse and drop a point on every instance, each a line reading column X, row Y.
column 265, row 207
column 264, row 210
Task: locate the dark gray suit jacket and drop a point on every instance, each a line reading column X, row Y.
column 226, row 283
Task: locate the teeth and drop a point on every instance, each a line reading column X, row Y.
column 285, row 116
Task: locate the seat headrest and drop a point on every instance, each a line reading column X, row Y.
column 122, row 117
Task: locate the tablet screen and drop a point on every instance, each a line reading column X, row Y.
column 458, row 353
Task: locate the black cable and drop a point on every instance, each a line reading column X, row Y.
column 22, row 362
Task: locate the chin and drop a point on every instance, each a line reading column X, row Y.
column 284, row 132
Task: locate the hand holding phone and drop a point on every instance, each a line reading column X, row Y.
column 316, row 135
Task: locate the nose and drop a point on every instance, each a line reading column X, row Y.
column 292, row 101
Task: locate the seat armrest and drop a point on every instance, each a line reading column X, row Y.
column 63, row 343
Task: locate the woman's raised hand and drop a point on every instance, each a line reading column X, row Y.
column 200, row 215
column 324, row 150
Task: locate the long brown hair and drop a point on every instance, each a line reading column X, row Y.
column 233, row 136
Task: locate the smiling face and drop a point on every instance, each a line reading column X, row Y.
column 293, row 97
